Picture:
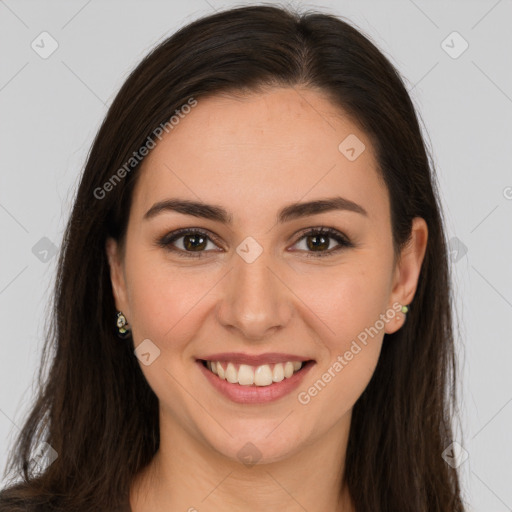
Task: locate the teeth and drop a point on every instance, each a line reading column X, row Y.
column 247, row 375
column 288, row 369
column 278, row 373
column 231, row 373
column 263, row 375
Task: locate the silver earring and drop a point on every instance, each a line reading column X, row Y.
column 123, row 331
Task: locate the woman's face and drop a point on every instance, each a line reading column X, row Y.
column 261, row 284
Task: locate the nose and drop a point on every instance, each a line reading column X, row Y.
column 256, row 301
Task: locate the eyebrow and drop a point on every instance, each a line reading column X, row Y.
column 288, row 213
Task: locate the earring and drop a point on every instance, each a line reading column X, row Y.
column 405, row 310
column 123, row 331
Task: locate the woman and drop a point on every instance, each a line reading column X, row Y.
column 252, row 306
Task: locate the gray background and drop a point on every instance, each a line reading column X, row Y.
column 51, row 109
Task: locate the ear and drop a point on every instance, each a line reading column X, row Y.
column 117, row 276
column 407, row 271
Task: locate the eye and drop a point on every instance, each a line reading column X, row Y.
column 191, row 242
column 317, row 241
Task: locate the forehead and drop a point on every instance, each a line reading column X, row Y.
column 258, row 151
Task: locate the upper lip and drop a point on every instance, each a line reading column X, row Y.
column 254, row 360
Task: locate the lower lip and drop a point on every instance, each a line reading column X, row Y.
column 256, row 394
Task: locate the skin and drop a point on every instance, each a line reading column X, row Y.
column 253, row 155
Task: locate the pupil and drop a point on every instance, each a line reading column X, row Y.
column 321, row 245
column 193, row 245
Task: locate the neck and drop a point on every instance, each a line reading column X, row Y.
column 186, row 474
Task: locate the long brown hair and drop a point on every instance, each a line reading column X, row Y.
column 95, row 408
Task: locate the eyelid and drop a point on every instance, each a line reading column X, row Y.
column 324, row 230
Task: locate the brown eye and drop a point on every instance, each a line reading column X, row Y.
column 187, row 242
column 318, row 242
column 194, row 242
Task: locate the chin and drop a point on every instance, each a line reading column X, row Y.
column 262, row 447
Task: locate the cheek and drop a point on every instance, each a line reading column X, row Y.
column 352, row 341
column 347, row 300
column 337, row 386
column 161, row 296
column 349, row 304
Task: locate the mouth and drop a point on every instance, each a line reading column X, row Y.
column 254, row 384
column 250, row 375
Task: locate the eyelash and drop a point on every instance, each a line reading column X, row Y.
column 167, row 240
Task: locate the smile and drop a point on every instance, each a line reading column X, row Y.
column 247, row 375
column 254, row 384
